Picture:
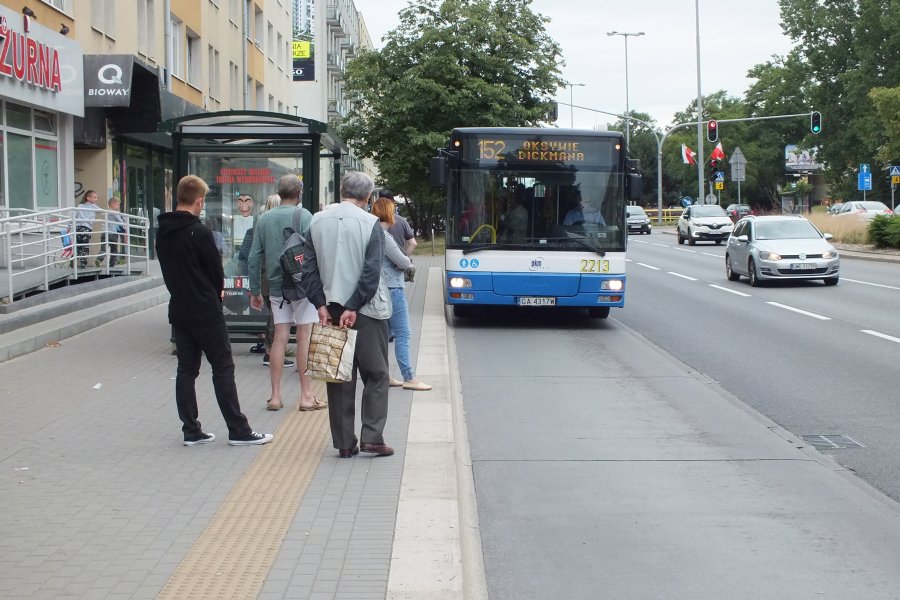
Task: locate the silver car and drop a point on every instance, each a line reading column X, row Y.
column 867, row 210
column 780, row 247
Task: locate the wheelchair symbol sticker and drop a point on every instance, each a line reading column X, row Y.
column 465, row 263
column 474, row 263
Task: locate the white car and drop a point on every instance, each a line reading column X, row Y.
column 704, row 223
column 867, row 210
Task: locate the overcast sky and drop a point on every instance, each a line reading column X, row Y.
column 735, row 35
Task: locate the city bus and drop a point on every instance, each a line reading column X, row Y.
column 535, row 217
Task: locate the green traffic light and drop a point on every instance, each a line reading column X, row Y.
column 815, row 122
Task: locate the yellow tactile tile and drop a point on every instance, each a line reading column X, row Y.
column 233, row 555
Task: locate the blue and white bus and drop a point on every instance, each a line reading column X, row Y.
column 535, row 217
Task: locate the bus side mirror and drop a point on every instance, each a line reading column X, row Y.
column 438, row 174
column 635, row 186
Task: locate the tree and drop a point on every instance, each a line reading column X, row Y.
column 643, row 147
column 848, row 48
column 887, row 103
column 450, row 63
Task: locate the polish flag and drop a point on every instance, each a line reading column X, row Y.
column 717, row 153
column 688, row 155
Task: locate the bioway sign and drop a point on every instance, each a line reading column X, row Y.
column 107, row 79
column 39, row 66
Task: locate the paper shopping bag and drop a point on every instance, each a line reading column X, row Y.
column 331, row 352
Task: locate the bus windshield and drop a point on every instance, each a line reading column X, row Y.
column 534, row 208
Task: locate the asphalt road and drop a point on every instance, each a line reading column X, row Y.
column 817, row 360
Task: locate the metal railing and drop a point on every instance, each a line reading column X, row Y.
column 39, row 248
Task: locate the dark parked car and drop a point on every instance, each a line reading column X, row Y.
column 737, row 211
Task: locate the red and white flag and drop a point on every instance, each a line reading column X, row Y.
column 688, row 155
column 717, row 153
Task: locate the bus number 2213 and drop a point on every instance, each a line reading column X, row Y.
column 594, row 266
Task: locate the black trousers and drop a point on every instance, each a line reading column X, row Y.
column 371, row 362
column 190, row 344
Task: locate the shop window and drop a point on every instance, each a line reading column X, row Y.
column 45, row 122
column 18, row 116
column 21, row 180
column 46, row 163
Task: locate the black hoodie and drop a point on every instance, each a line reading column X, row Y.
column 192, row 269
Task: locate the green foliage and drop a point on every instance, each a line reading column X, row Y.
column 643, row 147
column 884, row 232
column 847, row 47
column 887, row 103
column 450, row 63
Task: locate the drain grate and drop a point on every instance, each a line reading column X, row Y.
column 831, row 442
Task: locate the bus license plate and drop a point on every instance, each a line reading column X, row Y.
column 536, row 301
column 802, row 266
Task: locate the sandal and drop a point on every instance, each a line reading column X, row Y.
column 274, row 405
column 315, row 406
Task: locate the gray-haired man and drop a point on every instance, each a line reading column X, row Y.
column 342, row 278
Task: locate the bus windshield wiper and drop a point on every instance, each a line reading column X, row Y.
column 481, row 247
column 580, row 240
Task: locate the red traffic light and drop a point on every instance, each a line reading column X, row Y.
column 713, row 164
column 712, row 131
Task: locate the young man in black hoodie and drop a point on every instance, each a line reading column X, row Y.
column 192, row 269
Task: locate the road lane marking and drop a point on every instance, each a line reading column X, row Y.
column 730, row 291
column 684, row 250
column 682, row 276
column 800, row 311
column 649, row 266
column 713, row 255
column 881, row 285
column 881, row 335
column 660, row 245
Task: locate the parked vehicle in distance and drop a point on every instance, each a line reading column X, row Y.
column 835, row 208
column 780, row 247
column 736, row 211
column 867, row 210
column 638, row 221
column 704, row 223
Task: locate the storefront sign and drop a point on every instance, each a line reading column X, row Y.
column 39, row 66
column 107, row 79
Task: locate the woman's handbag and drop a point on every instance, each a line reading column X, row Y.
column 409, row 274
column 331, row 352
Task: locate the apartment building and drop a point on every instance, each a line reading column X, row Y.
column 126, row 66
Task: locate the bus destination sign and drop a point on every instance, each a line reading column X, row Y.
column 516, row 150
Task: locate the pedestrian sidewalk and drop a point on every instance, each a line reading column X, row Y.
column 100, row 500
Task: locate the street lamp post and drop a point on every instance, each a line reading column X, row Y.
column 571, row 110
column 627, row 111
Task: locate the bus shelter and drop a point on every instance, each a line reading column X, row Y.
column 241, row 155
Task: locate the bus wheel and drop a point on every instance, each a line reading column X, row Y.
column 599, row 312
column 462, row 310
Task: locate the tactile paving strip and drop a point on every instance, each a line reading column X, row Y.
column 233, row 555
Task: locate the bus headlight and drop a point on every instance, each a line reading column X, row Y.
column 614, row 285
column 460, row 282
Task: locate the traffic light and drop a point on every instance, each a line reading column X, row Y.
column 712, row 131
column 713, row 165
column 815, row 122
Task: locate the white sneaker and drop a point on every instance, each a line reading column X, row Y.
column 251, row 439
column 202, row 438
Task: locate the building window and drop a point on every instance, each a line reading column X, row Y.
column 103, row 16
column 260, row 97
column 280, row 45
column 61, row 5
column 147, row 28
column 178, row 47
column 234, row 11
column 270, row 43
column 214, row 67
column 260, row 31
column 194, row 58
column 234, row 86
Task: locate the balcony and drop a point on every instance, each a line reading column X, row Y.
column 336, row 110
column 335, row 63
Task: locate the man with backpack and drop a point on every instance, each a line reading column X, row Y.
column 280, row 231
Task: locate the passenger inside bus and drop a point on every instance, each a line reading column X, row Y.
column 580, row 214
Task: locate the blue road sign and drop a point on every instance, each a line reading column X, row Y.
column 864, row 168
column 895, row 170
column 864, row 182
column 720, row 177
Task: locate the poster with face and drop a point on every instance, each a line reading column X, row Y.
column 244, row 220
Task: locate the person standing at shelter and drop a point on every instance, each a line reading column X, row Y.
column 400, row 229
column 85, row 215
column 395, row 263
column 342, row 278
column 192, row 270
column 268, row 240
